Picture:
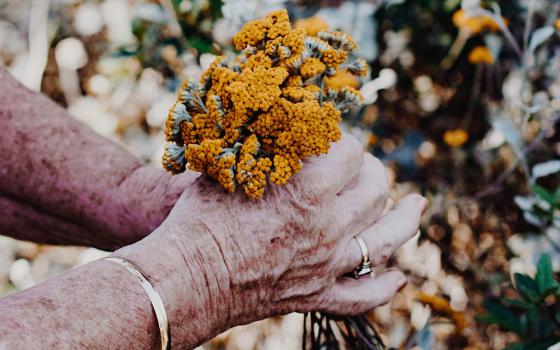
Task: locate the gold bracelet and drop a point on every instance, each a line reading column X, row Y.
column 155, row 299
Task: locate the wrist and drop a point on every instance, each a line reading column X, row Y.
column 191, row 278
column 144, row 200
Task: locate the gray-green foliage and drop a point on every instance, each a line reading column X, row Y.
column 535, row 315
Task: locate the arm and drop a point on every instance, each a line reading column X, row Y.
column 221, row 260
column 101, row 305
column 62, row 183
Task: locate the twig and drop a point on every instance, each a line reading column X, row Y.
column 200, row 103
column 475, row 91
column 495, row 186
column 38, row 45
column 530, row 13
column 322, row 89
column 524, row 66
column 173, row 21
column 504, row 28
column 455, row 49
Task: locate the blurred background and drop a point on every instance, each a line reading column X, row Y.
column 462, row 105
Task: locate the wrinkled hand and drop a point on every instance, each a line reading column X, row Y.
column 289, row 251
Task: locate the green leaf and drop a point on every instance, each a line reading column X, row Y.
column 518, row 303
column 502, row 316
column 527, row 287
column 545, row 275
column 201, row 44
column 544, row 194
column 557, row 195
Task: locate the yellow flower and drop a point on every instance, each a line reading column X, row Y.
column 275, row 24
column 455, row 138
column 557, row 24
column 441, row 306
column 333, row 58
column 312, row 67
column 474, row 24
column 251, row 120
column 312, row 25
column 341, row 79
column 481, row 54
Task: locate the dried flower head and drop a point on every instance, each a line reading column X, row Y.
column 251, row 120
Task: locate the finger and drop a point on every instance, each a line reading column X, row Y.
column 355, row 296
column 329, row 173
column 389, row 232
column 361, row 203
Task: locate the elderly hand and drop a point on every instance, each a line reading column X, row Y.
column 287, row 252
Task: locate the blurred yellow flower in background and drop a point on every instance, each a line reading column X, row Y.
column 372, row 140
column 474, row 24
column 441, row 306
column 312, row 25
column 481, row 54
column 455, row 138
column 557, row 24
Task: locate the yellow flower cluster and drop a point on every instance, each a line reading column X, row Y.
column 252, row 119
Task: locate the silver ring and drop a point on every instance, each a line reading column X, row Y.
column 365, row 266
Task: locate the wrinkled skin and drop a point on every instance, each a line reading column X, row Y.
column 292, row 243
column 62, row 183
column 290, row 250
column 217, row 260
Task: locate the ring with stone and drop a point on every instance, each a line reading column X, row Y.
column 365, row 267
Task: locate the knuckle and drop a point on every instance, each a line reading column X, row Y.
column 375, row 164
column 352, row 151
column 379, row 172
column 384, row 257
column 353, row 144
column 383, row 253
column 304, row 192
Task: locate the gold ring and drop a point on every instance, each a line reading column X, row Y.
column 365, row 266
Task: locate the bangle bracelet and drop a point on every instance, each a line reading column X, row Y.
column 155, row 299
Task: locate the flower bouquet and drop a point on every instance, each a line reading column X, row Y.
column 251, row 119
